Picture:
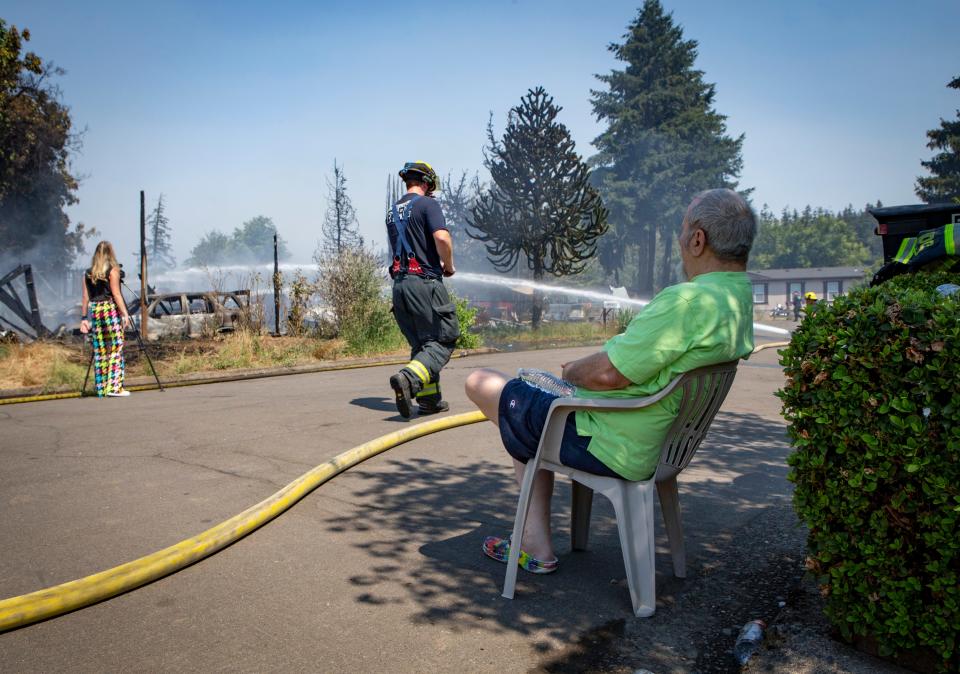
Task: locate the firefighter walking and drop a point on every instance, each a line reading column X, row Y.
column 422, row 256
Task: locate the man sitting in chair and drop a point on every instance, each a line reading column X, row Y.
column 705, row 321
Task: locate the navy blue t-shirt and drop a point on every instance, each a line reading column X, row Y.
column 424, row 219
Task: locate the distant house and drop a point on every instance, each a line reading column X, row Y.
column 776, row 286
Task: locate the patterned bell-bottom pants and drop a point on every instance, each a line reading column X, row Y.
column 107, row 335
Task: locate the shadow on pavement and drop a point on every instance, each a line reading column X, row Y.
column 378, row 404
column 738, row 473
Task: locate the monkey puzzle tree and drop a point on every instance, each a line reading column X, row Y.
column 540, row 204
column 943, row 185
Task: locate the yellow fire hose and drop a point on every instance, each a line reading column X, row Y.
column 53, row 601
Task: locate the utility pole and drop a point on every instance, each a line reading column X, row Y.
column 277, row 287
column 143, row 266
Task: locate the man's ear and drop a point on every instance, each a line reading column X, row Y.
column 698, row 241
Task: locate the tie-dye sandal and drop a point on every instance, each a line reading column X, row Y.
column 499, row 549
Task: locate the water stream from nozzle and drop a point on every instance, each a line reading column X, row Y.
column 235, row 273
column 507, row 282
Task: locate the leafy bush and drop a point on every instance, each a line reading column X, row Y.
column 253, row 313
column 873, row 403
column 301, row 291
column 466, row 317
column 352, row 283
column 624, row 318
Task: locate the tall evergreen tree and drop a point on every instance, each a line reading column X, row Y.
column 612, row 252
column 943, row 185
column 541, row 205
column 865, row 227
column 664, row 141
column 814, row 237
column 159, row 248
column 340, row 228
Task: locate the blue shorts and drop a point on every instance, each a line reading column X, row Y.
column 523, row 412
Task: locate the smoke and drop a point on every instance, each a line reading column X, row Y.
column 58, row 287
column 224, row 277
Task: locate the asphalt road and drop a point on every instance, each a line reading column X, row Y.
column 377, row 570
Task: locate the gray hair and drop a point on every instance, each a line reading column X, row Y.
column 728, row 221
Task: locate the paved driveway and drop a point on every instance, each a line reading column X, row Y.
column 378, row 570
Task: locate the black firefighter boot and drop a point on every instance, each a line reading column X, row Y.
column 404, row 388
column 430, row 400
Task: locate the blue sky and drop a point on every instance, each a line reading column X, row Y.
column 237, row 109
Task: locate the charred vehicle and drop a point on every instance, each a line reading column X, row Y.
column 186, row 314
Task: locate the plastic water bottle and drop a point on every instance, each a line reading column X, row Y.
column 748, row 641
column 948, row 289
column 547, row 381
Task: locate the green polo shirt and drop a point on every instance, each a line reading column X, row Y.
column 702, row 322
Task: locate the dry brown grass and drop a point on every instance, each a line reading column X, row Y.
column 40, row 364
column 242, row 350
column 51, row 364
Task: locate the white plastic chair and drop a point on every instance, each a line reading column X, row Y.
column 703, row 392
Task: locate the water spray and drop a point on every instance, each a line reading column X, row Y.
column 489, row 279
column 543, row 287
column 181, row 276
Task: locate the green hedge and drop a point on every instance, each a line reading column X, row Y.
column 873, row 404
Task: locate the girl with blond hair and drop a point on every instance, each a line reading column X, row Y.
column 105, row 314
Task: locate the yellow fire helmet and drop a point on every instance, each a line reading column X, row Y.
column 424, row 169
column 811, row 295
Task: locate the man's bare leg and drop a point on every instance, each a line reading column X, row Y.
column 484, row 387
column 537, row 538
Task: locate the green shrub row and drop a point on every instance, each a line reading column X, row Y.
column 872, row 399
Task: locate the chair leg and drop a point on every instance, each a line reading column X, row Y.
column 670, row 506
column 581, row 504
column 523, row 505
column 633, row 504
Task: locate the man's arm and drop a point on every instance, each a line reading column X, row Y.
column 595, row 373
column 445, row 249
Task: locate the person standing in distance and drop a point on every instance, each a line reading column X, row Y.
column 422, row 255
column 108, row 317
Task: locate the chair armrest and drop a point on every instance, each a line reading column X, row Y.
column 560, row 408
column 618, row 403
column 552, row 435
